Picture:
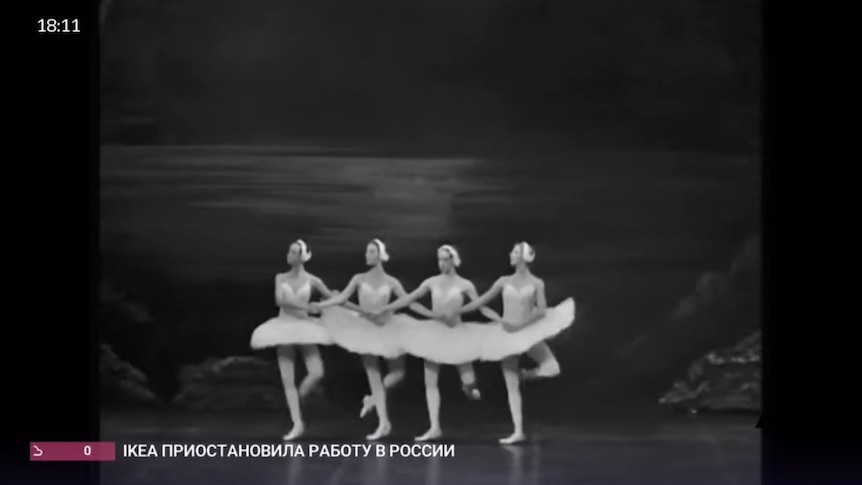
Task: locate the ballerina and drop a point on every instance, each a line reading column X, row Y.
column 292, row 328
column 372, row 340
column 443, row 340
column 527, row 323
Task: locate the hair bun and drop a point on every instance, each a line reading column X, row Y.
column 381, row 250
column 304, row 252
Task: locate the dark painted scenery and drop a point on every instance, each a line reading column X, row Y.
column 619, row 138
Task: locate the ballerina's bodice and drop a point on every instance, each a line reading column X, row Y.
column 300, row 296
column 518, row 303
column 444, row 300
column 371, row 298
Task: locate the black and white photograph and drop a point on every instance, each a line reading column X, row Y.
column 430, row 242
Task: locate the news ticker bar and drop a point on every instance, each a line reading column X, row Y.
column 73, row 451
column 100, row 451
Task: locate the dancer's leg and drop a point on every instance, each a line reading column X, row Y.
column 512, row 378
column 432, row 397
column 314, row 366
column 286, row 367
column 547, row 363
column 468, row 381
column 378, row 393
column 396, row 372
column 392, row 378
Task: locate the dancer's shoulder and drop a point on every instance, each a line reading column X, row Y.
column 502, row 280
column 465, row 283
column 313, row 279
column 392, row 281
column 539, row 283
column 431, row 281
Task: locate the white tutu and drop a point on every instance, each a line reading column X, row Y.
column 289, row 330
column 357, row 334
column 437, row 342
column 498, row 343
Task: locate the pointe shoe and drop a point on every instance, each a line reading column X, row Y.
column 516, row 437
column 296, row 432
column 367, row 406
column 431, row 434
column 382, row 431
column 472, row 393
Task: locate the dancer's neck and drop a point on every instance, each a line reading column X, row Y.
column 377, row 270
column 295, row 270
column 522, row 270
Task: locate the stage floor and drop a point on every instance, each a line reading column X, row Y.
column 623, row 451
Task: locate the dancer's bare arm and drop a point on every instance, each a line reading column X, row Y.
column 419, row 308
column 541, row 301
column 473, row 295
column 329, row 295
column 480, row 301
column 340, row 298
column 405, row 300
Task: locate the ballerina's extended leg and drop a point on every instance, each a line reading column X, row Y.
column 396, row 372
column 390, row 380
column 547, row 364
column 432, row 396
column 512, row 378
column 314, row 366
column 468, row 382
column 378, row 394
column 286, row 367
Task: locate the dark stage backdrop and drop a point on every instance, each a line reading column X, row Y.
column 433, row 73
